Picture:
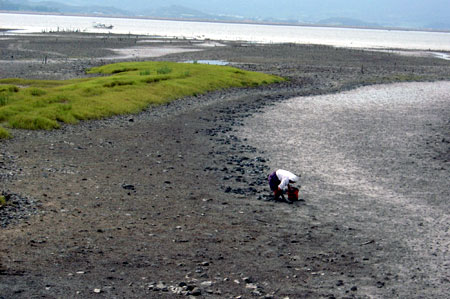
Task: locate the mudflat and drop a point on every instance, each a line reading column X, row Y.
column 174, row 201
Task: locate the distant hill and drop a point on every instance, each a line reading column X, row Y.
column 56, row 7
column 438, row 26
column 178, row 12
column 347, row 22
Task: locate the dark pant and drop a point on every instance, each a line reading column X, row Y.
column 274, row 181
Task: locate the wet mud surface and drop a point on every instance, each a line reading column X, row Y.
column 374, row 162
column 173, row 201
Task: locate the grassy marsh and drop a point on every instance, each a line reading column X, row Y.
column 120, row 88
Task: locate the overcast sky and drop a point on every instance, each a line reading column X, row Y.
column 385, row 12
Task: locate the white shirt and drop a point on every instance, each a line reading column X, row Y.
column 285, row 176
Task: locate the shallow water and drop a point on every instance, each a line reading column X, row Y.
column 147, row 52
column 371, row 158
column 211, row 62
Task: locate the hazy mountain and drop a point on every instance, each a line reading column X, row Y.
column 59, row 7
column 347, row 22
column 177, row 11
column 392, row 13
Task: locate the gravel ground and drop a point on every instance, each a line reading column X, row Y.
column 173, row 201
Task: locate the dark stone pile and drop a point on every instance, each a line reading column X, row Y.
column 16, row 209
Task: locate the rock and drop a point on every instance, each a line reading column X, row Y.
column 248, row 279
column 256, row 293
column 206, row 284
column 97, row 291
column 176, row 290
column 196, row 292
column 128, row 187
column 161, row 286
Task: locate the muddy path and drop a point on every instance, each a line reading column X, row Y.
column 172, row 202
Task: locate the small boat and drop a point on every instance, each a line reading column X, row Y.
column 102, row 26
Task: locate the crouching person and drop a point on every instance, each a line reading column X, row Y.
column 279, row 182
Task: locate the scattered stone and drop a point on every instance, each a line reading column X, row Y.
column 16, row 208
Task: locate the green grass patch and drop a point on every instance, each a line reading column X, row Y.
column 9, row 88
column 145, row 73
column 37, row 92
column 164, row 70
column 2, row 201
column 120, row 88
column 4, row 99
column 124, row 70
column 4, row 134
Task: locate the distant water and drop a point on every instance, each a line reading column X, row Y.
column 340, row 37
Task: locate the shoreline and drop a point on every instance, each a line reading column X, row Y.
column 389, row 39
column 143, row 205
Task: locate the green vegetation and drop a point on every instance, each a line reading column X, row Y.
column 4, row 134
column 121, row 88
column 2, row 201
